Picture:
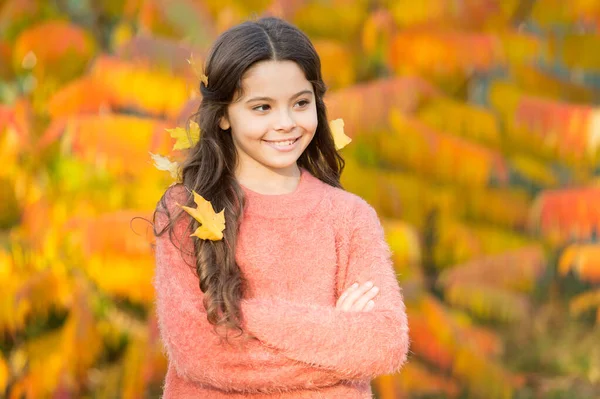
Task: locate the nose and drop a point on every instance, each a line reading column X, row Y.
column 285, row 121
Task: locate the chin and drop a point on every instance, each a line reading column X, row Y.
column 281, row 165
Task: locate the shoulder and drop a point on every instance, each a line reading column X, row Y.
column 167, row 208
column 175, row 194
column 348, row 208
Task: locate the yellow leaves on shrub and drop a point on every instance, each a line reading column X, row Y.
column 567, row 214
column 134, row 365
column 322, row 19
column 84, row 95
column 487, row 302
column 6, row 71
column 420, row 380
column 116, row 83
column 421, row 12
column 56, row 48
column 63, row 354
column 31, row 288
column 466, row 120
column 117, row 251
column 586, row 301
column 336, row 63
column 123, row 276
column 578, row 50
column 434, row 153
column 121, row 34
column 533, row 170
column 444, row 338
column 212, row 223
column 376, row 32
column 516, row 269
column 519, row 47
column 484, row 378
column 366, row 107
column 440, row 54
column 404, row 243
column 552, row 129
column 3, row 373
column 119, row 143
column 135, row 85
column 114, row 231
column 387, row 386
column 583, row 259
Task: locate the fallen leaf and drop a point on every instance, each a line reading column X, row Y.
column 183, row 140
column 339, row 137
column 212, row 223
column 164, row 163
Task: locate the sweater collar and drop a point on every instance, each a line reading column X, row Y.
column 302, row 200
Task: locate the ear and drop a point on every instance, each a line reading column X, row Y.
column 224, row 123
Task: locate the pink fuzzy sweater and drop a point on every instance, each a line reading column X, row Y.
column 298, row 253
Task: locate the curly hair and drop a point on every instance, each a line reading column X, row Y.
column 209, row 166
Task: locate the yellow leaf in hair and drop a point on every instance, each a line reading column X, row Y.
column 204, row 78
column 339, row 137
column 212, row 224
column 164, row 163
column 196, row 69
column 183, row 139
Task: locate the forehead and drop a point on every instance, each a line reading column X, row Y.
column 274, row 79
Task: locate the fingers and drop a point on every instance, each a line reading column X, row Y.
column 344, row 295
column 358, row 298
column 362, row 301
column 353, row 296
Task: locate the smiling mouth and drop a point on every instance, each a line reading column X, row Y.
column 283, row 143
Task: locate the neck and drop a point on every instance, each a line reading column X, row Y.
column 298, row 202
column 268, row 181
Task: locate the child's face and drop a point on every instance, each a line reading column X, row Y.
column 276, row 118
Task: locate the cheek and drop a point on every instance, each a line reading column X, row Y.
column 309, row 121
column 250, row 128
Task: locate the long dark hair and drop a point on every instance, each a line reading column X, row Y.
column 210, row 164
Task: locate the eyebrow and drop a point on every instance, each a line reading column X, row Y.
column 270, row 99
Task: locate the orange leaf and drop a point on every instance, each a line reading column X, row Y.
column 515, row 269
column 3, row 373
column 584, row 259
column 585, row 301
column 420, row 380
column 58, row 47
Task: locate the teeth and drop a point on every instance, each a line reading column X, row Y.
column 283, row 143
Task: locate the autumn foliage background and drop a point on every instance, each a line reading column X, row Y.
column 476, row 136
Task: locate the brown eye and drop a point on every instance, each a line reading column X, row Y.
column 262, row 105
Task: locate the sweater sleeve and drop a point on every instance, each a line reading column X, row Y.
column 356, row 344
column 193, row 347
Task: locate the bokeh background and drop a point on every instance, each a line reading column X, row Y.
column 476, row 136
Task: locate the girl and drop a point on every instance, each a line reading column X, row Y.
column 301, row 260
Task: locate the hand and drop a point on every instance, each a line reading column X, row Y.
column 357, row 298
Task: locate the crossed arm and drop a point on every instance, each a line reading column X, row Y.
column 198, row 354
column 355, row 344
column 297, row 346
